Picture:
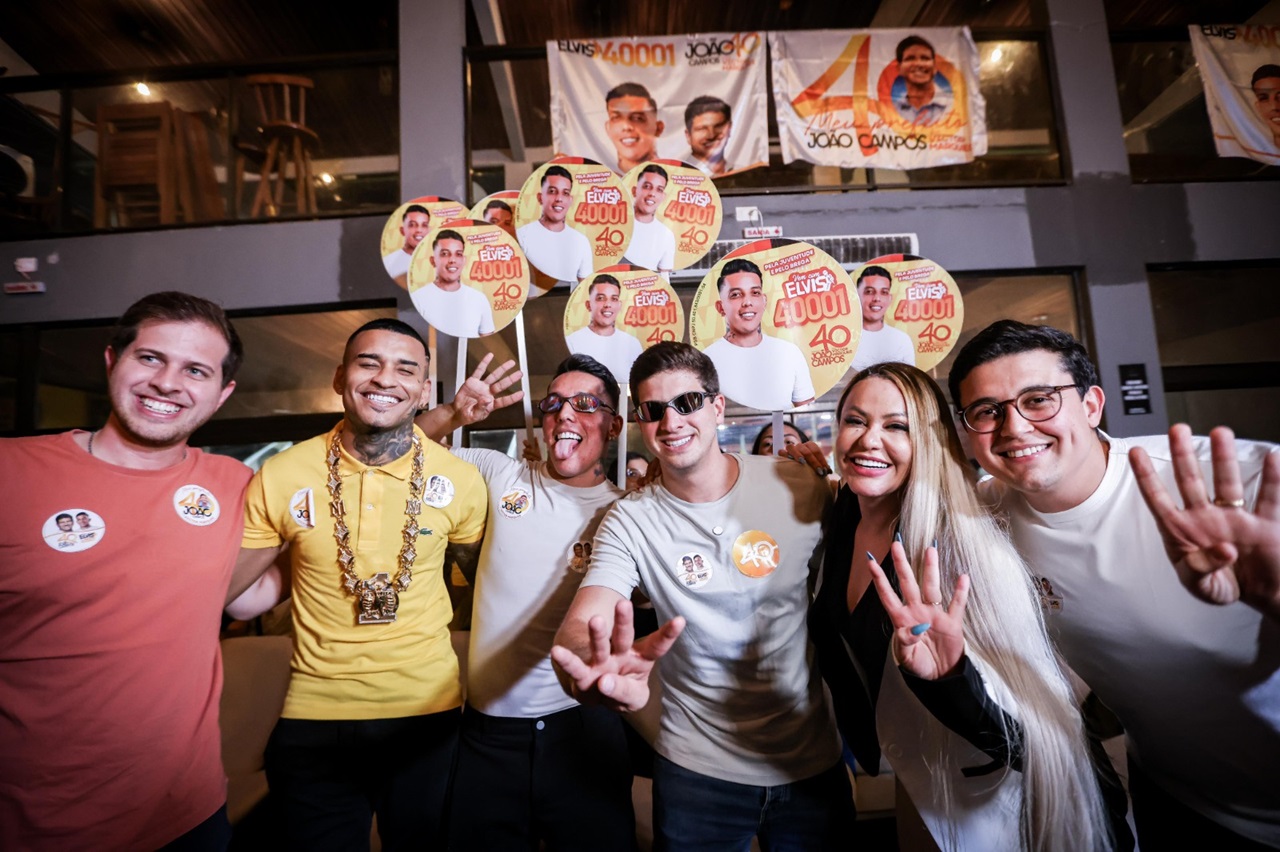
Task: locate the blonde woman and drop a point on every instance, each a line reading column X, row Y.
column 960, row 688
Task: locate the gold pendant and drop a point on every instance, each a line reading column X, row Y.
column 377, row 600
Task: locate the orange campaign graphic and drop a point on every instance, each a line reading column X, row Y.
column 781, row 321
column 755, row 553
column 923, row 307
column 620, row 311
column 573, row 218
column 469, row 278
column 677, row 212
column 407, row 227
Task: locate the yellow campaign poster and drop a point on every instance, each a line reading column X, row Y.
column 469, row 278
column 619, row 312
column 912, row 312
column 406, row 228
column 677, row 215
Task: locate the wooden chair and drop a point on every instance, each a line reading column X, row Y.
column 136, row 177
column 282, row 113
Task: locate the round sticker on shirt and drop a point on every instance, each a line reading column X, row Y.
column 780, row 320
column 693, row 571
column 73, row 530
column 619, row 312
column 439, row 491
column 755, row 553
column 408, row 226
column 677, row 215
column 196, row 505
column 469, row 278
column 912, row 311
column 573, row 218
column 302, row 508
column 581, row 559
column 514, row 503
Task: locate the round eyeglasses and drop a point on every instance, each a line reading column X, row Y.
column 1035, row 405
column 584, row 403
column 685, row 403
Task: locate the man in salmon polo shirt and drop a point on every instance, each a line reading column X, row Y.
column 110, row 672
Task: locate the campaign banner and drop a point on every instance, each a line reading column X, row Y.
column 619, row 312
column 407, row 226
column 884, row 98
column 677, row 215
column 912, row 312
column 1240, row 66
column 699, row 99
column 469, row 278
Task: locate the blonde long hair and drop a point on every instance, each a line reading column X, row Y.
column 1062, row 808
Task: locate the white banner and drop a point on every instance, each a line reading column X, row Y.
column 1240, row 66
column 890, row 99
column 699, row 99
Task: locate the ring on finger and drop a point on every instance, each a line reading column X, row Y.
column 1224, row 503
column 933, row 603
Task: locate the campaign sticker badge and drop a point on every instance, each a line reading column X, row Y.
column 439, row 491
column 755, row 553
column 573, row 218
column 677, row 213
column 73, row 530
column 408, row 226
column 580, row 561
column 619, row 312
column 693, row 570
column 196, row 505
column 913, row 299
column 469, row 278
column 302, row 508
column 514, row 503
column 780, row 320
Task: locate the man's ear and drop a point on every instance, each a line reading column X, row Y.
column 718, row 404
column 615, row 426
column 110, row 357
column 1094, row 399
column 226, row 392
column 339, row 380
column 660, row 127
column 720, row 307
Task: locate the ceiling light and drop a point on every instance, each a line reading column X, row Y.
column 997, row 53
column 143, row 89
column 326, row 178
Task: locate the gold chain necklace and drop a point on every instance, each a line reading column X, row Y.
column 377, row 598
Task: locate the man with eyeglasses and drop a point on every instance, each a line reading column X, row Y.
column 746, row 744
column 534, row 765
column 632, row 124
column 1192, row 677
column 600, row 337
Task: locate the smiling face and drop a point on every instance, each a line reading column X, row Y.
column 382, row 380
column 649, row 191
column 873, row 444
column 1266, row 102
column 707, row 135
column 633, row 127
column 875, row 293
column 742, row 302
column 447, row 257
column 683, row 443
column 168, row 382
column 604, row 301
column 578, row 440
column 556, row 196
column 1056, row 463
column 917, row 66
column 414, row 228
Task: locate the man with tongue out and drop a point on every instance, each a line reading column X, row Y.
column 746, row 743
column 534, row 765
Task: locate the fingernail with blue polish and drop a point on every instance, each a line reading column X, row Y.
column 869, row 556
column 935, row 544
column 897, row 537
column 920, row 628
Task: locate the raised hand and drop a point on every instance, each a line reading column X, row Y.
column 480, row 394
column 1222, row 552
column 615, row 672
column 531, row 450
column 809, row 453
column 928, row 641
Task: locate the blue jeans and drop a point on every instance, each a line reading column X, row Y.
column 696, row 813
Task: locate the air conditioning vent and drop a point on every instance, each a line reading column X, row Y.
column 850, row 250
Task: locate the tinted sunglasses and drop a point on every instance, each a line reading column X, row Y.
column 584, row 403
column 685, row 403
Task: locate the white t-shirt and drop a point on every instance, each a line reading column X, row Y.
column 464, row 312
column 887, row 344
column 564, row 255
column 617, row 351
column 536, row 549
column 1196, row 686
column 397, row 263
column 771, row 376
column 653, row 246
column 741, row 699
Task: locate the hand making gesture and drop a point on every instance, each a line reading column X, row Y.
column 928, row 641
column 1222, row 552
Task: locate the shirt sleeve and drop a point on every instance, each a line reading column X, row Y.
column 259, row 527
column 473, row 509
column 612, row 564
column 803, row 388
column 668, row 260
column 486, row 315
column 584, row 258
column 908, row 347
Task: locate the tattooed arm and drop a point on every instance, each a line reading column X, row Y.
column 466, row 557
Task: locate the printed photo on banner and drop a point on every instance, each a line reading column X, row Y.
column 407, row 226
column 884, row 98
column 1240, row 66
column 499, row 209
column 619, row 312
column 698, row 99
column 780, row 320
column 677, row 215
column 573, row 218
column 912, row 312
column 469, row 279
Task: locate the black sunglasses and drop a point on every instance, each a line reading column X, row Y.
column 685, row 403
column 584, row 403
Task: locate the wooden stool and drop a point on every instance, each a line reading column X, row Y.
column 135, row 175
column 282, row 112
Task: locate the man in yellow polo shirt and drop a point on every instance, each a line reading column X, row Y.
column 370, row 512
